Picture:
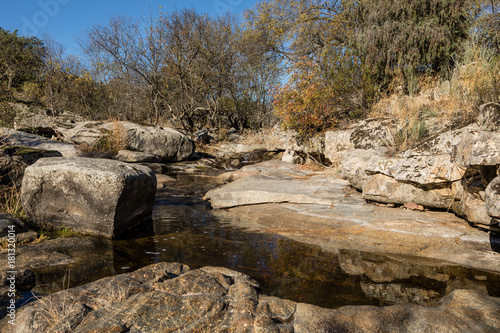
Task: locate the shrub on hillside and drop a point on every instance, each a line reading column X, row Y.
column 320, row 94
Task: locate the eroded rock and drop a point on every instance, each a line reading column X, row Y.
column 356, row 161
column 337, row 143
column 18, row 138
column 479, row 148
column 489, row 117
column 373, row 133
column 43, row 121
column 382, row 188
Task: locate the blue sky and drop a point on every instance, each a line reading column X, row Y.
column 65, row 20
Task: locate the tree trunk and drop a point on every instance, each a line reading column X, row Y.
column 9, row 85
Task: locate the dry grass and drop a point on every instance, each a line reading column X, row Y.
column 10, row 201
column 52, row 311
column 475, row 81
column 109, row 143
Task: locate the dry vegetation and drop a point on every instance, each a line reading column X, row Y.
column 108, row 145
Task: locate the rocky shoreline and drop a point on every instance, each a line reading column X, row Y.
column 437, row 201
column 171, row 297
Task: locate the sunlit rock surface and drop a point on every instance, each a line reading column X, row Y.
column 319, row 208
column 97, row 196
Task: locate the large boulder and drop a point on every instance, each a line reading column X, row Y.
column 97, row 196
column 167, row 143
column 162, row 143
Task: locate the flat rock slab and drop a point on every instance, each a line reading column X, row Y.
column 260, row 189
column 18, row 138
column 341, row 219
column 169, row 297
column 96, row 196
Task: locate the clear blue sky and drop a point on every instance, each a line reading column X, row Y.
column 64, row 20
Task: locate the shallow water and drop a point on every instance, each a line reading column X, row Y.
column 183, row 229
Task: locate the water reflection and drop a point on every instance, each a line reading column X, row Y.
column 184, row 230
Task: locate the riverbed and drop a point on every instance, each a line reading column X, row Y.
column 185, row 229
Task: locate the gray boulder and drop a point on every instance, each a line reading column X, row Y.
column 167, row 143
column 96, row 196
column 489, row 117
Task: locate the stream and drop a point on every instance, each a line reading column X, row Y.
column 184, row 229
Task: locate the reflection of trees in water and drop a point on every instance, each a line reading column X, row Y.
column 185, row 230
column 354, row 277
column 308, row 274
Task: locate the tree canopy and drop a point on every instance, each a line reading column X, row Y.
column 311, row 63
column 20, row 58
